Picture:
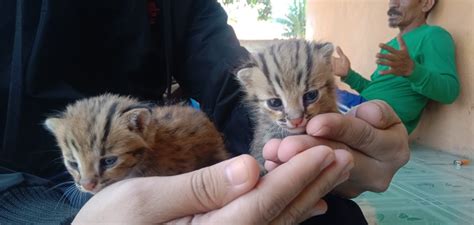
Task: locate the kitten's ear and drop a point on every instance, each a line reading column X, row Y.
column 325, row 50
column 138, row 119
column 245, row 76
column 52, row 124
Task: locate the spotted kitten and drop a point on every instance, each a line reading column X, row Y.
column 286, row 85
column 109, row 138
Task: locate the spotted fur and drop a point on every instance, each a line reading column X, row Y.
column 286, row 85
column 109, row 138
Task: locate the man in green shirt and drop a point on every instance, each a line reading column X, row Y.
column 416, row 66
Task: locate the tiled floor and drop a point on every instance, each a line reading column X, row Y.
column 429, row 190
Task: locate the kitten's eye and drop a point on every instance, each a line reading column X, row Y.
column 108, row 162
column 275, row 103
column 73, row 164
column 310, row 97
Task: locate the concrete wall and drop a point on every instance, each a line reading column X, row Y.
column 359, row 25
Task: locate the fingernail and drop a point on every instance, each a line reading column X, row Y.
column 327, row 161
column 318, row 212
column 236, row 172
column 320, row 208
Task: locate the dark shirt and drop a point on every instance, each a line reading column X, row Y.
column 61, row 51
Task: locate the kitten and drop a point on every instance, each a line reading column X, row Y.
column 286, row 85
column 109, row 138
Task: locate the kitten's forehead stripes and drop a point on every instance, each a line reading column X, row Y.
column 299, row 78
column 297, row 55
column 276, row 60
column 264, row 64
column 90, row 129
column 309, row 63
column 278, row 81
column 73, row 143
column 266, row 72
column 108, row 122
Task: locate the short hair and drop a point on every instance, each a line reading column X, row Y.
column 434, row 5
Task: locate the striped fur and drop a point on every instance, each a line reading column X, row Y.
column 146, row 140
column 289, row 71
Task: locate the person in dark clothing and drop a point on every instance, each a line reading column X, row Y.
column 56, row 52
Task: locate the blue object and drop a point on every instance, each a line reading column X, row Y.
column 347, row 100
column 194, row 104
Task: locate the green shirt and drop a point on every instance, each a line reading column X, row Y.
column 434, row 75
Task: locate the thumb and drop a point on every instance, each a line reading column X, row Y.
column 377, row 113
column 206, row 189
column 401, row 42
column 340, row 52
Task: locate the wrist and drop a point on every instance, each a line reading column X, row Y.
column 411, row 69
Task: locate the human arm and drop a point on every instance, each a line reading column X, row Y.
column 226, row 193
column 433, row 73
column 372, row 132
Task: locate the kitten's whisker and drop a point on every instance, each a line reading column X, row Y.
column 63, row 197
column 58, row 185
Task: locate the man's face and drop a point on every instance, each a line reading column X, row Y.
column 402, row 13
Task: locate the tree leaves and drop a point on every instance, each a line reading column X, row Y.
column 295, row 20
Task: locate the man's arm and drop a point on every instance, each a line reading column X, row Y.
column 433, row 73
column 356, row 81
column 437, row 77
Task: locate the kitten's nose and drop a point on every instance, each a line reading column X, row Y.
column 88, row 184
column 296, row 122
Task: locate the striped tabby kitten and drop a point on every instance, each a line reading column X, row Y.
column 109, row 138
column 286, row 85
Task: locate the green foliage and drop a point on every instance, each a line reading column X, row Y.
column 264, row 7
column 295, row 20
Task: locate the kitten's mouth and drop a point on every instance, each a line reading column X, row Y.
column 300, row 129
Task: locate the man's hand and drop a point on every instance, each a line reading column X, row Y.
column 398, row 61
column 226, row 193
column 372, row 132
column 341, row 65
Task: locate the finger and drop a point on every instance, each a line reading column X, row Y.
column 377, row 113
column 201, row 191
column 390, row 57
column 385, row 72
column 270, row 165
column 150, row 200
column 270, row 150
column 301, row 206
column 401, row 42
column 389, row 48
column 355, row 132
column 292, row 145
column 273, row 193
column 340, row 52
column 320, row 208
column 385, row 63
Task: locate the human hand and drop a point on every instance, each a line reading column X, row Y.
column 372, row 132
column 226, row 193
column 399, row 61
column 341, row 65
